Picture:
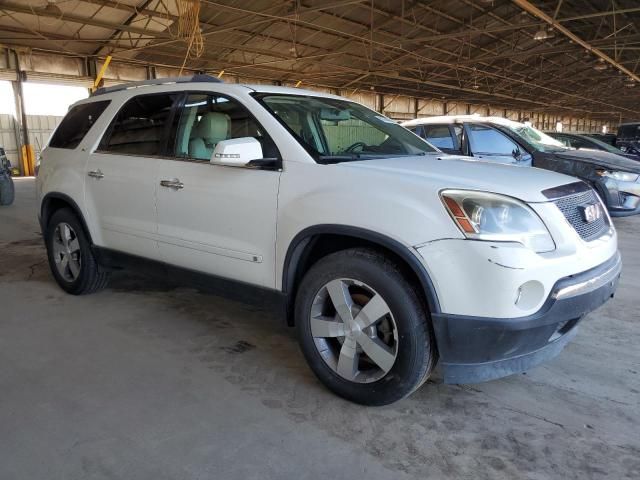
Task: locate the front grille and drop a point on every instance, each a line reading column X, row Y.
column 570, row 208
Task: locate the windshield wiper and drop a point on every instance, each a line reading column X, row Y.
column 353, row 157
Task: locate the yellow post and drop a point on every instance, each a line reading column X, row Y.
column 101, row 73
column 28, row 159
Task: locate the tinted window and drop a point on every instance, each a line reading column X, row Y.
column 457, row 129
column 485, row 139
column 418, row 130
column 139, row 128
column 76, row 124
column 439, row 135
column 580, row 143
column 565, row 141
column 629, row 131
column 206, row 120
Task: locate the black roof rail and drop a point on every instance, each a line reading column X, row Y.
column 157, row 81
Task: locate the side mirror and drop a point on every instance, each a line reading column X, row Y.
column 237, row 152
column 516, row 154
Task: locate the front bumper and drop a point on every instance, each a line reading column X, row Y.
column 622, row 198
column 477, row 349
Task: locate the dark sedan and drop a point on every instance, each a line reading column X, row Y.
column 493, row 139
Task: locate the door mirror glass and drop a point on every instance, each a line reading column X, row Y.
column 237, row 152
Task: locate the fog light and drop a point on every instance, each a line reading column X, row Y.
column 529, row 295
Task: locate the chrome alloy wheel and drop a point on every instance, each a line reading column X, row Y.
column 66, row 252
column 354, row 330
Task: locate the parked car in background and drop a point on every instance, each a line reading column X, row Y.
column 386, row 257
column 495, row 139
column 608, row 138
column 7, row 189
column 628, row 139
column 574, row 140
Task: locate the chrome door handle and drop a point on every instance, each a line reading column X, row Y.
column 96, row 174
column 175, row 184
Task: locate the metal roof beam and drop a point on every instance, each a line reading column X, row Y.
column 41, row 12
column 535, row 11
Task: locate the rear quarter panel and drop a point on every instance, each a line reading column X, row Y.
column 64, row 171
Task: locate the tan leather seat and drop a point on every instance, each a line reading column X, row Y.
column 212, row 128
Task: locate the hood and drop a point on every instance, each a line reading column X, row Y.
column 611, row 161
column 451, row 171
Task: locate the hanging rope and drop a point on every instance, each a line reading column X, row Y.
column 188, row 28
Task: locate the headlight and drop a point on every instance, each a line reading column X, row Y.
column 621, row 176
column 493, row 217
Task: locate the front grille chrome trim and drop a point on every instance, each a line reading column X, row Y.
column 570, row 206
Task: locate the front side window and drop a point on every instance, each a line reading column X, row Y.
column 489, row 141
column 76, row 123
column 207, row 119
column 140, row 127
column 333, row 130
column 439, row 135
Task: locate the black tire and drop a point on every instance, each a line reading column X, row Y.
column 416, row 351
column 7, row 190
column 91, row 277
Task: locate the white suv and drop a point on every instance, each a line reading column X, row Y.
column 385, row 253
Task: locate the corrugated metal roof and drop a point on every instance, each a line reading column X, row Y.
column 458, row 50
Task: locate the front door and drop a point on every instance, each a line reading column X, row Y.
column 211, row 218
column 121, row 183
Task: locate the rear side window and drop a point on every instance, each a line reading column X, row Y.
column 140, row 127
column 418, row 130
column 76, row 124
column 439, row 135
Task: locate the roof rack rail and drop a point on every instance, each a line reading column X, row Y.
column 157, row 81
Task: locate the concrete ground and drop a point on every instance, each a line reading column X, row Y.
column 153, row 381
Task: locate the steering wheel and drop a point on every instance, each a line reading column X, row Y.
column 351, row 148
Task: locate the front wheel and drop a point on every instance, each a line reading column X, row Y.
column 363, row 329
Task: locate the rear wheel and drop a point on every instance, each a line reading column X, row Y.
column 70, row 257
column 363, row 329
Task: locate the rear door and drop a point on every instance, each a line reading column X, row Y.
column 212, row 218
column 121, row 174
column 488, row 143
column 445, row 137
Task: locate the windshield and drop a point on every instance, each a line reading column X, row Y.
column 605, row 146
column 335, row 131
column 535, row 137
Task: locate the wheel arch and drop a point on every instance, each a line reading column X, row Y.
column 314, row 242
column 53, row 202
